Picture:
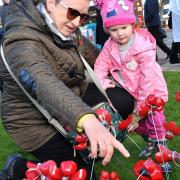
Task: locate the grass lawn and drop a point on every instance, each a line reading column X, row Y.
column 120, row 164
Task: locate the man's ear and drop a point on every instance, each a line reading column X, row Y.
column 50, row 4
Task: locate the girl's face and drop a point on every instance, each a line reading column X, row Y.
column 62, row 17
column 121, row 33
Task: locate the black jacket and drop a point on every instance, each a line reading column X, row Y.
column 101, row 35
column 151, row 13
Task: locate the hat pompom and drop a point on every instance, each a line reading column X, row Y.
column 98, row 3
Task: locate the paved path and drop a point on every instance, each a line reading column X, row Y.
column 166, row 66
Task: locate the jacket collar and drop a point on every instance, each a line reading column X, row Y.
column 144, row 41
column 142, row 36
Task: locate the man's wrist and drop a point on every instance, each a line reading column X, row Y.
column 79, row 127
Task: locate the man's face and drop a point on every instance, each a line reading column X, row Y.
column 58, row 12
column 6, row 1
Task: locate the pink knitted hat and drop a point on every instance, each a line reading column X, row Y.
column 116, row 12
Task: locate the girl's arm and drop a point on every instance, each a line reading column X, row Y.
column 151, row 79
column 102, row 67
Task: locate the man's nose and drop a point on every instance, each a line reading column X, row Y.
column 76, row 21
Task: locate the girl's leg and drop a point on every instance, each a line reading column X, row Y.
column 120, row 98
column 155, row 132
column 155, row 125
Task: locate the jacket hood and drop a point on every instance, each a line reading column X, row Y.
column 143, row 41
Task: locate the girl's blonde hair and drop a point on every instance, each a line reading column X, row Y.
column 137, row 25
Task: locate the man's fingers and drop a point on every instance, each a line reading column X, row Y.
column 116, row 144
column 94, row 148
column 102, row 149
column 109, row 154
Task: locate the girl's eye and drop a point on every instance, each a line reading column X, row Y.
column 124, row 27
column 113, row 30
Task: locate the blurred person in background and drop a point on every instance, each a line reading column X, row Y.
column 4, row 10
column 153, row 23
column 101, row 35
column 175, row 24
column 3, row 13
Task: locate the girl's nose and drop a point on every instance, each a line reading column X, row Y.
column 119, row 32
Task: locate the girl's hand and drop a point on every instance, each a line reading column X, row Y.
column 101, row 140
column 108, row 83
column 135, row 121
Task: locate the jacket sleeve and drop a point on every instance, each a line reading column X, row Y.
column 151, row 79
column 103, row 65
column 28, row 56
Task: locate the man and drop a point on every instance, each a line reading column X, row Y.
column 42, row 46
column 153, row 23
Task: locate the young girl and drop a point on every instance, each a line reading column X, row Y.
column 129, row 58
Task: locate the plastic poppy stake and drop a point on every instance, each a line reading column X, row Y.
column 171, row 129
column 104, row 116
column 81, row 174
column 32, row 174
column 47, row 169
column 105, row 175
column 44, row 167
column 153, row 169
column 114, row 176
column 54, row 173
column 80, row 142
column 81, row 146
column 126, row 124
column 143, row 110
column 148, row 170
column 68, row 168
column 80, row 138
column 178, row 96
column 166, row 155
column 152, row 103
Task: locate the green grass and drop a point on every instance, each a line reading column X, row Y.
column 120, row 164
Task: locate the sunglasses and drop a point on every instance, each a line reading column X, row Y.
column 73, row 13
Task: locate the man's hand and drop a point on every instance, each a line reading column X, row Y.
column 101, row 140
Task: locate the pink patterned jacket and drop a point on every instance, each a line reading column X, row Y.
column 138, row 72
